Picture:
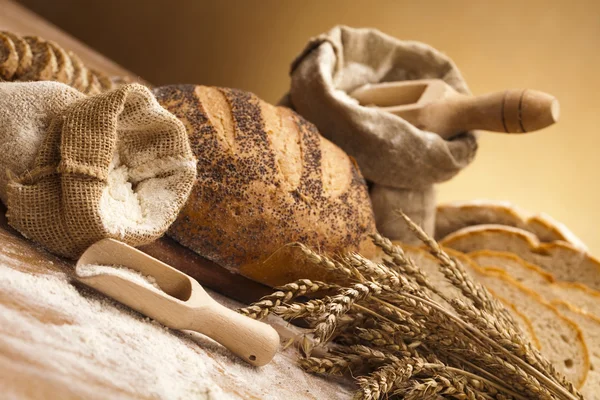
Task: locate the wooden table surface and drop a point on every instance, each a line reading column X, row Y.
column 24, row 376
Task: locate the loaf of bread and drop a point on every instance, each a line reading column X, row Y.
column 266, row 179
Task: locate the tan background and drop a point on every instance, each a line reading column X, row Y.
column 547, row 45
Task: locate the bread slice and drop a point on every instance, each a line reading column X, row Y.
column 94, row 86
column 451, row 217
column 9, row 58
column 429, row 265
column 561, row 259
column 43, row 64
column 535, row 278
column 105, row 82
column 560, row 338
column 23, row 52
column 590, row 326
column 80, row 72
column 64, row 66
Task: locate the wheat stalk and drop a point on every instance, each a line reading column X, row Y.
column 384, row 326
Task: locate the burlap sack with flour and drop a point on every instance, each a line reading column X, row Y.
column 402, row 161
column 114, row 165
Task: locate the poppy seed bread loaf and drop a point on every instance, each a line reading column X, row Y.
column 266, row 179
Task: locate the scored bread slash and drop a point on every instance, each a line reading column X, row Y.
column 105, row 82
column 23, row 53
column 43, row 65
column 80, row 72
column 9, row 58
column 64, row 71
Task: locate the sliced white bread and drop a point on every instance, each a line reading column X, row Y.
column 560, row 338
column 430, row 266
column 590, row 326
column 537, row 279
column 454, row 216
column 561, row 259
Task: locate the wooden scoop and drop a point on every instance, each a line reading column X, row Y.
column 180, row 304
column 434, row 106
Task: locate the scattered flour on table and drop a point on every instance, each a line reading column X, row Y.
column 75, row 343
column 90, row 270
column 105, row 349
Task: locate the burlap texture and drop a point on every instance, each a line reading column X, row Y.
column 402, row 161
column 113, row 165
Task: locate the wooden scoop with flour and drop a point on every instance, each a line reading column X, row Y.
column 434, row 106
column 180, row 303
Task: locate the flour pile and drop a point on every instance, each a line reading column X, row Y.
column 106, row 350
column 89, row 270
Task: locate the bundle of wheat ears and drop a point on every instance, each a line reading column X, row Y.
column 399, row 335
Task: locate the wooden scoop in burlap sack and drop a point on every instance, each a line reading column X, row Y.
column 419, row 134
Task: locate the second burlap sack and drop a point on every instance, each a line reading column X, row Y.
column 402, row 161
column 114, row 165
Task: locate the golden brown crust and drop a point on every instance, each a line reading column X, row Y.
column 261, row 185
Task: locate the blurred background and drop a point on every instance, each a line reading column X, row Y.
column 551, row 45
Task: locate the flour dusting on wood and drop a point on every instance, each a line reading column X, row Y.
column 91, row 270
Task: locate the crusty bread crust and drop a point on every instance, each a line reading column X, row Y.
column 266, row 179
column 454, row 216
column 561, row 259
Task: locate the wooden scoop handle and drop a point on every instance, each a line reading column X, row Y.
column 510, row 111
column 253, row 341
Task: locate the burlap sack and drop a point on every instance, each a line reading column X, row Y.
column 111, row 165
column 402, row 161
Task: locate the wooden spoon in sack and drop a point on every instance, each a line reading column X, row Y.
column 181, row 303
column 434, row 106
